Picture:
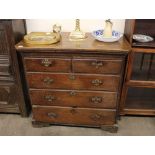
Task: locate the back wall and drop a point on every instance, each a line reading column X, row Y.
column 68, row 25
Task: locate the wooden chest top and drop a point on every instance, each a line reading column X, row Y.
column 89, row 44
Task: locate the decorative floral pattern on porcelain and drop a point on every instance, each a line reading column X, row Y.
column 98, row 35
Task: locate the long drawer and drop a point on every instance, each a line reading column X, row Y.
column 48, row 64
column 75, row 116
column 74, row 98
column 73, row 81
column 97, row 65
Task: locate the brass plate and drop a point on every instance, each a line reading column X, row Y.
column 42, row 38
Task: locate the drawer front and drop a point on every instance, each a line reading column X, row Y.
column 76, row 81
column 4, row 65
column 97, row 66
column 4, row 46
column 75, row 116
column 8, row 95
column 4, row 69
column 73, row 98
column 48, row 64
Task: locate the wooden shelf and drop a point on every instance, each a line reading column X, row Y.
column 144, row 50
column 143, row 112
column 144, row 45
column 145, row 84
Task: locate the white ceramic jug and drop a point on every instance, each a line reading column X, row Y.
column 108, row 29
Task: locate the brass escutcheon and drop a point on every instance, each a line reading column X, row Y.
column 72, row 93
column 73, row 110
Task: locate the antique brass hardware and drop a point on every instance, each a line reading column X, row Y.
column 96, row 117
column 73, row 110
column 72, row 77
column 50, row 98
column 72, row 93
column 97, row 82
column 46, row 62
column 48, row 80
column 52, row 115
column 97, row 64
column 96, row 99
column 77, row 34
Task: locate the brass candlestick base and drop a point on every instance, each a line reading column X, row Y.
column 77, row 34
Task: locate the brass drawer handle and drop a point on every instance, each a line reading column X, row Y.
column 97, row 82
column 48, row 80
column 97, row 64
column 96, row 99
column 46, row 62
column 96, row 117
column 52, row 115
column 50, row 98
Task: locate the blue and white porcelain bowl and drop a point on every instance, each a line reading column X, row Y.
column 98, row 35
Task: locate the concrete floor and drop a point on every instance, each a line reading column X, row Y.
column 15, row 125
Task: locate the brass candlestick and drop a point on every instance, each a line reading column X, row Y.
column 77, row 34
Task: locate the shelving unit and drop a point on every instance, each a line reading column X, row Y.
column 138, row 95
column 11, row 93
column 146, row 27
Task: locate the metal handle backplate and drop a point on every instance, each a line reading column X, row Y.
column 96, row 117
column 46, row 62
column 97, row 82
column 97, row 64
column 48, row 80
column 50, row 98
column 52, row 115
column 96, row 99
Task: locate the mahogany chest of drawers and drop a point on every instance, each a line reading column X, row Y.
column 74, row 83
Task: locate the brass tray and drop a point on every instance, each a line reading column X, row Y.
column 42, row 38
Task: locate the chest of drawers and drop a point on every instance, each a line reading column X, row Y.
column 74, row 83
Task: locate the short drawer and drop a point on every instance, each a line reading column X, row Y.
column 97, row 65
column 75, row 81
column 74, row 98
column 75, row 116
column 47, row 64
